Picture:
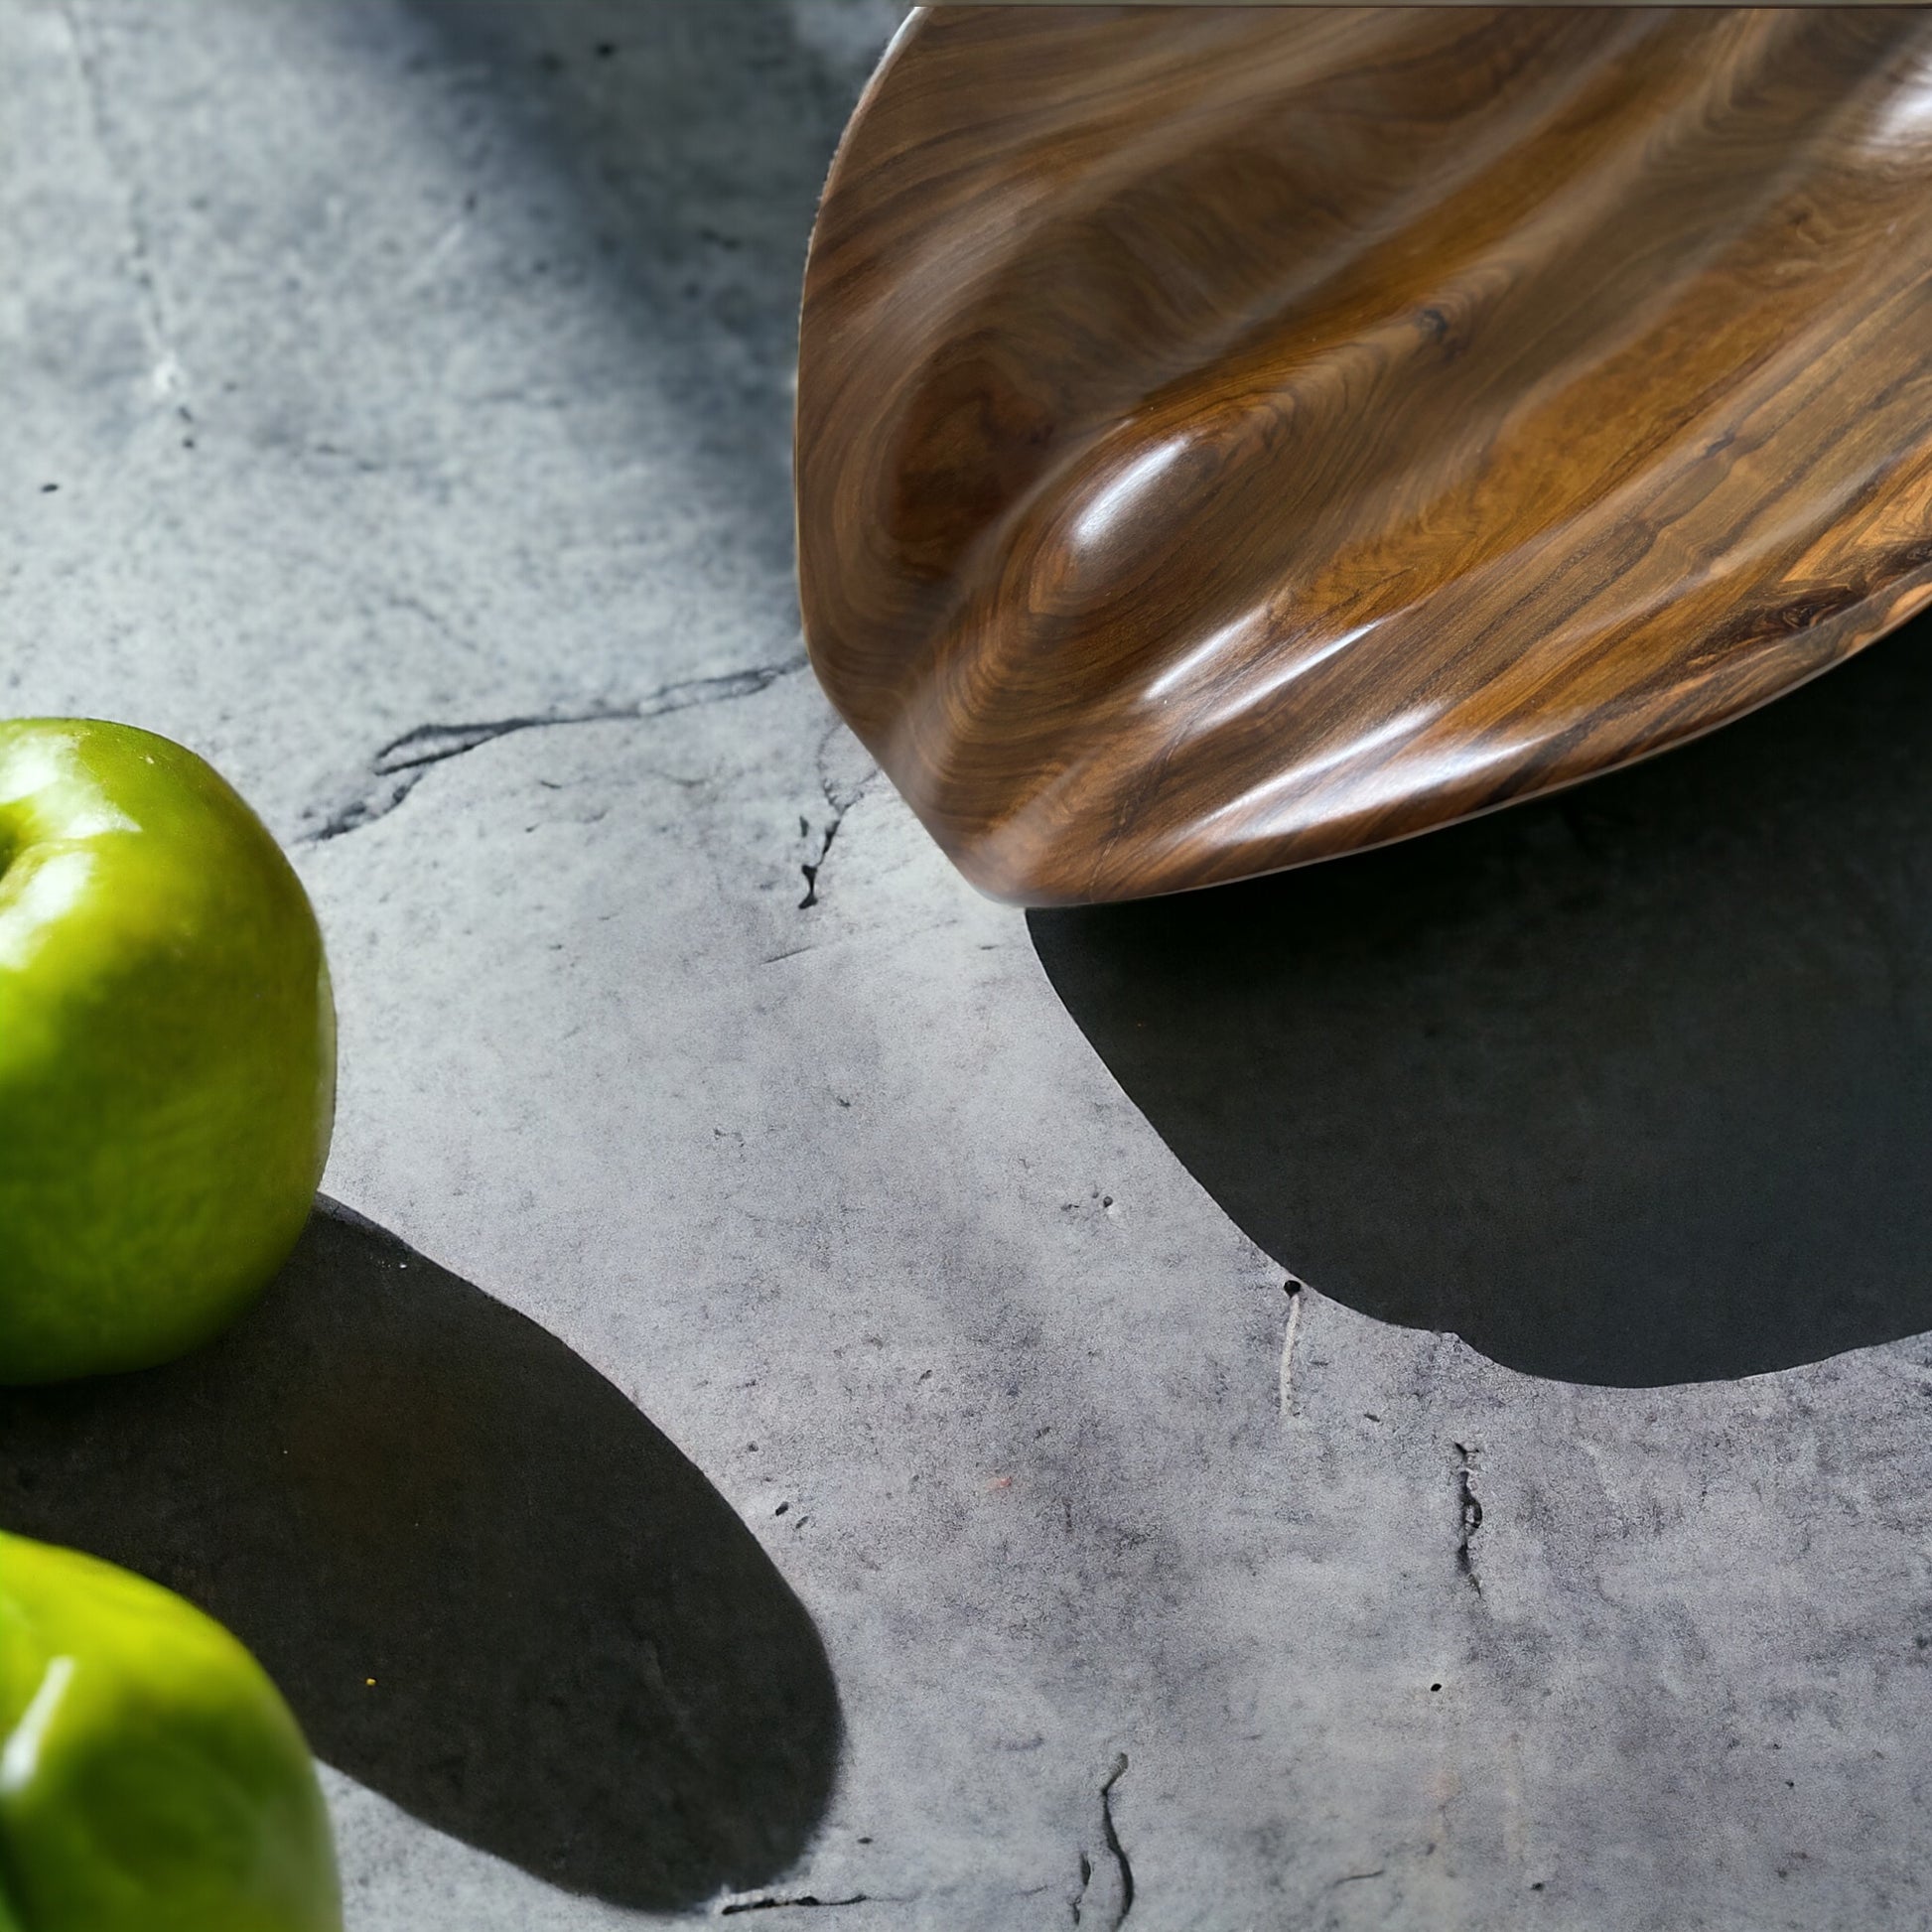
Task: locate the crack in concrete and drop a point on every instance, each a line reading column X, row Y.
column 1110, row 1836
column 1468, row 1516
column 805, row 1901
column 402, row 764
column 812, row 868
column 166, row 378
column 841, row 797
column 1292, row 1288
column 1114, row 1845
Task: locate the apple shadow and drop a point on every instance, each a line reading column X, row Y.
column 489, row 1588
column 1631, row 1085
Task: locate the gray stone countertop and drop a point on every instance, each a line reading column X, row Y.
column 398, row 404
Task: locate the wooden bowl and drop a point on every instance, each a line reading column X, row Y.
column 1232, row 437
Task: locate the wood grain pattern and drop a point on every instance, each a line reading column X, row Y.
column 1230, row 438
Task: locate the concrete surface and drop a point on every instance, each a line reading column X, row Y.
column 376, row 371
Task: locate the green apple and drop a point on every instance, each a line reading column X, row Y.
column 167, row 1051
column 151, row 1777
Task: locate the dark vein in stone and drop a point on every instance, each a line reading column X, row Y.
column 402, row 764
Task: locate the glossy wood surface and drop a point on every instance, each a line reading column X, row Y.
column 1228, row 438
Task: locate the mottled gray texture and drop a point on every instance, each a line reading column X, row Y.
column 396, row 378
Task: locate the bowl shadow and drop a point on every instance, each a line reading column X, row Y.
column 1631, row 1085
column 489, row 1587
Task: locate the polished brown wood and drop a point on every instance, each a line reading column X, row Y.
column 1230, row 438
